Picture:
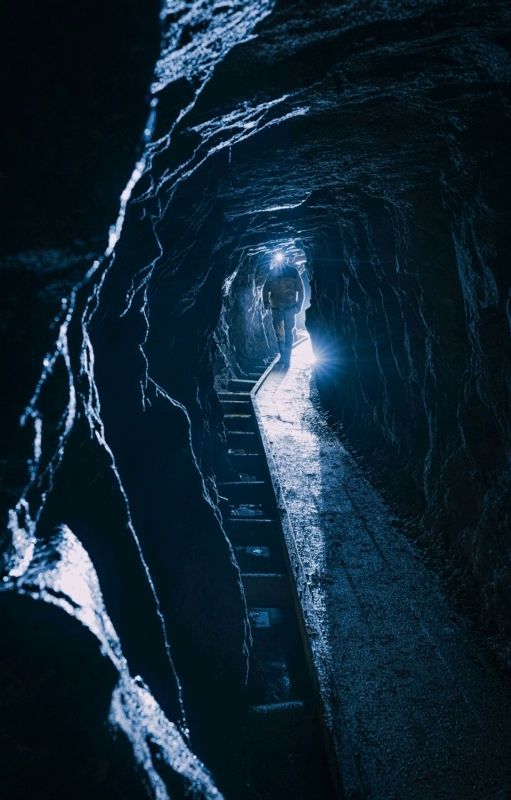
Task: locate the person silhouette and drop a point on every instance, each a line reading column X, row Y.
column 283, row 294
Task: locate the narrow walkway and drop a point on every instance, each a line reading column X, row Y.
column 286, row 743
column 415, row 712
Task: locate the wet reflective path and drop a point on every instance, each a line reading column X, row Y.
column 413, row 708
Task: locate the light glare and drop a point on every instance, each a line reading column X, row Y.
column 302, row 353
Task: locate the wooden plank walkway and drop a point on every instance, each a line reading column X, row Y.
column 288, row 756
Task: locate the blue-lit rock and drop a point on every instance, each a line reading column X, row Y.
column 375, row 140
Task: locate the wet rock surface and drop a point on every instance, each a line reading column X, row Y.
column 426, row 715
column 371, row 138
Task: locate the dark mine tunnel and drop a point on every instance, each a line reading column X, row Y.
column 223, row 575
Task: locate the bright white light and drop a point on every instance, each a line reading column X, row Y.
column 302, row 353
column 279, row 257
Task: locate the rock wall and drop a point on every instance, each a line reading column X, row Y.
column 105, row 513
column 375, row 139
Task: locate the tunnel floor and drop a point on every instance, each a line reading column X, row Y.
column 414, row 708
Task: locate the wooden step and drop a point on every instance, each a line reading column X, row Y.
column 236, row 407
column 250, row 367
column 239, row 492
column 239, row 422
column 263, row 590
column 260, row 558
column 248, row 463
column 243, row 396
column 242, row 440
column 253, row 512
column 253, row 530
column 292, row 726
column 239, row 385
column 289, row 757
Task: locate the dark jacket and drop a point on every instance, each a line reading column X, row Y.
column 283, row 288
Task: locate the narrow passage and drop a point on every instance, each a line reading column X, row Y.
column 414, row 709
column 287, row 748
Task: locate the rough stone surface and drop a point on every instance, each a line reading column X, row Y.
column 426, row 715
column 371, row 137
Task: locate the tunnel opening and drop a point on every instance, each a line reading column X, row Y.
column 245, row 336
